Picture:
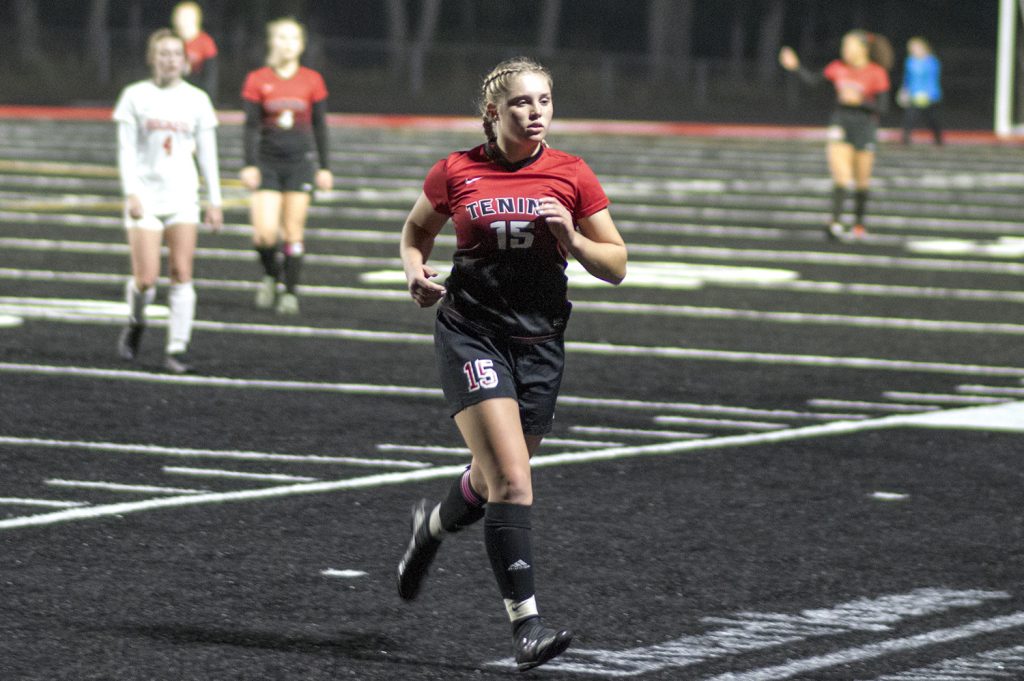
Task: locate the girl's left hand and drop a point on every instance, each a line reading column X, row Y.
column 558, row 219
column 324, row 180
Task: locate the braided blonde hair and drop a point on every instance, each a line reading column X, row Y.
column 496, row 87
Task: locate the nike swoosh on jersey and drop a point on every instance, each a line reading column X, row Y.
column 471, row 180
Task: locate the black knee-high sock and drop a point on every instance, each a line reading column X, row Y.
column 268, row 258
column 860, row 204
column 462, row 507
column 838, row 199
column 507, row 537
column 292, row 265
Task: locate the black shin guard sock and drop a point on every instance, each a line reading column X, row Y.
column 860, row 204
column 838, row 199
column 268, row 258
column 507, row 537
column 462, row 507
column 292, row 267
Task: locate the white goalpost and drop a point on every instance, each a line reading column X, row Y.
column 1005, row 59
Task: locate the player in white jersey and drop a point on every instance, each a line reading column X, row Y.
column 164, row 125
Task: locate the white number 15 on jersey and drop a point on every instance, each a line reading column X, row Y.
column 513, row 233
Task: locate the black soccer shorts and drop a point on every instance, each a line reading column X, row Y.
column 287, row 175
column 476, row 367
column 854, row 127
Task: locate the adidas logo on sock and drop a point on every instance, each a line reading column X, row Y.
column 519, row 565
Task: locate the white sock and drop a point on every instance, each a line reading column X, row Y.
column 436, row 531
column 137, row 301
column 182, row 303
column 522, row 609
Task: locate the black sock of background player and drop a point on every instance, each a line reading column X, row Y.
column 860, row 204
column 268, row 258
column 292, row 265
column 507, row 537
column 461, row 508
column 838, row 199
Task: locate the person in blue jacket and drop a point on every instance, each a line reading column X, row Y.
column 921, row 91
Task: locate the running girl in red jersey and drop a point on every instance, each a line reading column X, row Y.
column 285, row 107
column 163, row 126
column 519, row 209
column 861, row 80
column 200, row 48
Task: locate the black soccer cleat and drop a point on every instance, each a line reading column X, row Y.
column 178, row 363
column 536, row 644
column 129, row 341
column 419, row 554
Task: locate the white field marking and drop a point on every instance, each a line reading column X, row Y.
column 649, row 352
column 701, row 252
column 46, row 503
column 747, row 631
column 891, row 407
column 216, row 473
column 9, row 321
column 35, row 308
column 804, row 318
column 717, row 423
column 1007, row 417
column 942, row 399
column 634, row 432
column 799, row 286
column 644, row 274
column 992, row 665
column 69, row 246
column 343, row 574
column 889, row 496
column 1003, row 247
column 822, row 258
column 890, row 291
column 92, row 310
column 422, row 449
column 990, row 390
column 873, row 651
column 213, row 284
column 118, row 487
column 697, row 408
column 369, row 481
column 569, row 442
column 188, row 452
column 440, row 472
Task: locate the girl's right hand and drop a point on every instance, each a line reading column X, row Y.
column 250, row 177
column 788, row 59
column 422, row 290
column 133, row 205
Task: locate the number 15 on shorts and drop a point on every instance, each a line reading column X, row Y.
column 480, row 374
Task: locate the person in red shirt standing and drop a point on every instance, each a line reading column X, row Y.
column 285, row 107
column 520, row 208
column 861, row 81
column 200, row 48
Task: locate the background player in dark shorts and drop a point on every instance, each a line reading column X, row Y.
column 861, row 80
column 519, row 209
column 285, row 107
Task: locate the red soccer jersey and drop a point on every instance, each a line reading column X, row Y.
column 509, row 270
column 199, row 49
column 287, row 108
column 871, row 80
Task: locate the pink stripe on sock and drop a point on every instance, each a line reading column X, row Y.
column 468, row 493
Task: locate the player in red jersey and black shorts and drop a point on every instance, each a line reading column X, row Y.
column 285, row 107
column 861, row 81
column 520, row 209
column 200, row 48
